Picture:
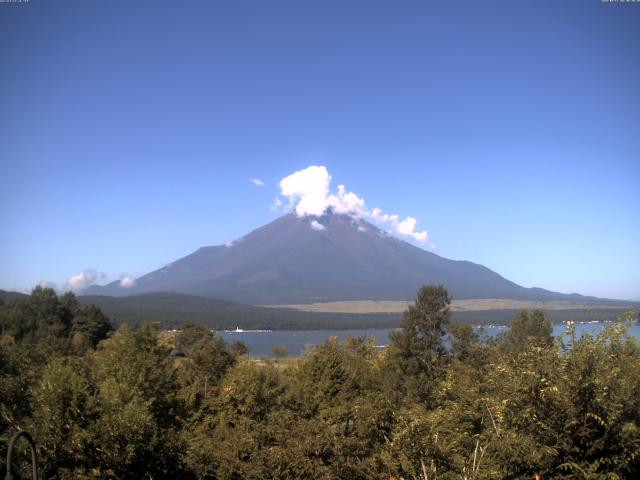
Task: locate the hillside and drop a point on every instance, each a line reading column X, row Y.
column 173, row 309
column 339, row 257
column 5, row 296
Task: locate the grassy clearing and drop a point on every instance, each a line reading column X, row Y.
column 471, row 305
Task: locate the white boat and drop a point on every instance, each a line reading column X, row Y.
column 240, row 330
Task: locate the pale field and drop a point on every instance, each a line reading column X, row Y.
column 471, row 305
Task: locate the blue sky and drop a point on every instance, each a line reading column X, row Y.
column 510, row 130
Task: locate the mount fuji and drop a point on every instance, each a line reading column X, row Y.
column 323, row 258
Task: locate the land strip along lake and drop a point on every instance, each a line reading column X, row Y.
column 261, row 342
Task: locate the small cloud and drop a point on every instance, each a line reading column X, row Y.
column 228, row 244
column 275, row 206
column 84, row 279
column 317, row 225
column 408, row 227
column 257, row 182
column 379, row 216
column 127, row 281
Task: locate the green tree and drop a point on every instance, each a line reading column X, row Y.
column 238, row 349
column 89, row 326
column 224, row 442
column 280, row 351
column 528, row 326
column 600, row 434
column 63, row 411
column 190, row 334
column 417, row 354
column 54, row 321
column 140, row 409
column 465, row 344
column 39, row 316
column 207, row 361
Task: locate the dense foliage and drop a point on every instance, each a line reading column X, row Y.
column 142, row 403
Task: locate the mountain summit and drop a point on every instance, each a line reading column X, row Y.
column 319, row 259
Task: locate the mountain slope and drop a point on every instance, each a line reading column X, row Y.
column 6, row 296
column 342, row 258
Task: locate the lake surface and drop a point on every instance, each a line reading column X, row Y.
column 261, row 343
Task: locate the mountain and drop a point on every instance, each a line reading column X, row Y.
column 319, row 259
column 6, row 296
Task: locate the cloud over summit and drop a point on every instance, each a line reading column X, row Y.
column 309, row 192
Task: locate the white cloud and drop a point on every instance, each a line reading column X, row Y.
column 347, row 202
column 310, row 188
column 84, row 279
column 127, row 281
column 275, row 206
column 379, row 216
column 317, row 225
column 257, row 182
column 408, row 227
column 309, row 191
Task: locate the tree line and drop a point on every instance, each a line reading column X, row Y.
column 122, row 403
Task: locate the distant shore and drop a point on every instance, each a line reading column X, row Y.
column 469, row 305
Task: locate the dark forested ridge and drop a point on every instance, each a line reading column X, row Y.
column 6, row 296
column 172, row 309
column 139, row 402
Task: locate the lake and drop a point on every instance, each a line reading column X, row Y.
column 261, row 342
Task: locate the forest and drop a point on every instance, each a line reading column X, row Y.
column 138, row 402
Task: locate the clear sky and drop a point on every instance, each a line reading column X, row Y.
column 129, row 130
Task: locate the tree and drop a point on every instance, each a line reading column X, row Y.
column 280, row 351
column 36, row 317
column 534, row 327
column 416, row 352
column 600, row 434
column 465, row 343
column 206, row 361
column 140, row 410
column 54, row 321
column 19, row 364
column 238, row 349
column 63, row 409
column 90, row 325
column 191, row 334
